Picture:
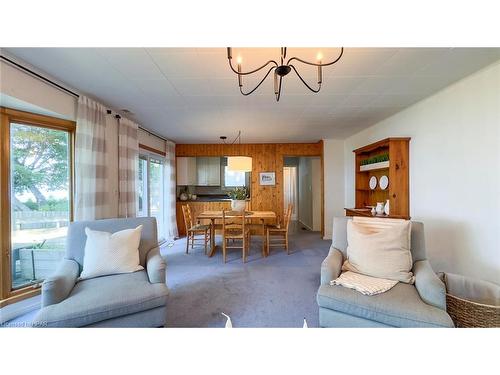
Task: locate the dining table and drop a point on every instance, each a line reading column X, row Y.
column 262, row 216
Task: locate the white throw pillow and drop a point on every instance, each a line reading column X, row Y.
column 380, row 249
column 111, row 253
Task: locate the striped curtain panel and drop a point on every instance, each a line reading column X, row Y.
column 91, row 195
column 128, row 152
column 170, row 220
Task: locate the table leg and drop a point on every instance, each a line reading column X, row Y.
column 264, row 251
column 212, row 238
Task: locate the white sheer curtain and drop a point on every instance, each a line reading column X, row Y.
column 290, row 189
column 128, row 153
column 91, row 177
column 170, row 220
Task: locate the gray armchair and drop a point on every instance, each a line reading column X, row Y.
column 135, row 299
column 420, row 305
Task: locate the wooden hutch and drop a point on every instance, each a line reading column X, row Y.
column 397, row 169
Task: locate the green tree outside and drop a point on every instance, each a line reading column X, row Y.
column 39, row 163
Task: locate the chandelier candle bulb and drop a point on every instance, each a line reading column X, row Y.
column 239, row 71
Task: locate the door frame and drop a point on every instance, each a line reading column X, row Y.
column 147, row 153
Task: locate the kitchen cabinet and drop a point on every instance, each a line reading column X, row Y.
column 186, row 171
column 208, row 171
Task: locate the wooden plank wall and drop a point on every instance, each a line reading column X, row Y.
column 266, row 157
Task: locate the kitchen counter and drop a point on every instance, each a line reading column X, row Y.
column 206, row 199
column 209, row 198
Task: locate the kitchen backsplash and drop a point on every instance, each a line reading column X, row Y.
column 202, row 190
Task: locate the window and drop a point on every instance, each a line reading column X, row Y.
column 150, row 197
column 37, row 193
column 156, row 193
column 233, row 178
column 142, row 187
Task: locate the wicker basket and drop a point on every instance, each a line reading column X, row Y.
column 468, row 314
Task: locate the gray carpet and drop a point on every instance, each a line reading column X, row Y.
column 277, row 291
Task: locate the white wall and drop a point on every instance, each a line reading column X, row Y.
column 454, row 172
column 316, row 193
column 19, row 90
column 305, row 192
column 334, row 180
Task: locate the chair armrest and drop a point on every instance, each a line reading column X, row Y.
column 156, row 266
column 57, row 287
column 430, row 288
column 331, row 266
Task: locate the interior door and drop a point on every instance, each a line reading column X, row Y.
column 290, row 190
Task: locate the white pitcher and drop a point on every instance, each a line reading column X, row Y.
column 386, row 207
column 380, row 208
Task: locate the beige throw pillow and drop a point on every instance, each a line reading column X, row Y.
column 380, row 249
column 111, row 253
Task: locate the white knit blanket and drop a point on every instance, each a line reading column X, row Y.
column 364, row 284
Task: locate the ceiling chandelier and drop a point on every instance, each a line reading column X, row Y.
column 280, row 71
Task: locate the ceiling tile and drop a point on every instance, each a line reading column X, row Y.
column 458, row 62
column 191, row 87
column 407, row 61
column 186, row 64
column 133, row 63
column 359, row 62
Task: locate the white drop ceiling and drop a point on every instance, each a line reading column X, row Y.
column 191, row 96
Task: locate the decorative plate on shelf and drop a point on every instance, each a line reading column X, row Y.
column 384, row 182
column 373, row 182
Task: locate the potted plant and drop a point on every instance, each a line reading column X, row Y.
column 375, row 162
column 238, row 198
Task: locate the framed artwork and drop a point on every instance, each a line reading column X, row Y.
column 267, row 178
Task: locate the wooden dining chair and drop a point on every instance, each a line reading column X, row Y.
column 193, row 230
column 236, row 231
column 280, row 232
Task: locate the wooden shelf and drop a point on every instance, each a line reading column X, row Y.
column 374, row 166
column 373, row 190
column 398, row 173
column 366, row 212
column 374, row 170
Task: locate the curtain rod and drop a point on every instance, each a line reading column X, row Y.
column 155, row 135
column 45, row 79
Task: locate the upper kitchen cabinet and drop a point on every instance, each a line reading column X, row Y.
column 208, row 171
column 186, row 171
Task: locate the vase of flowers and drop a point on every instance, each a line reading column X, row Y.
column 238, row 198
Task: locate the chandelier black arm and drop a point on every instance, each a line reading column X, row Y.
column 315, row 64
column 252, row 71
column 278, row 95
column 256, row 87
column 304, row 82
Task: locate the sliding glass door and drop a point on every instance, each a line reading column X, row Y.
column 151, row 189
column 37, row 195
